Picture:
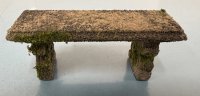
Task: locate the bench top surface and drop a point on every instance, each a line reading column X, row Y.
column 143, row 24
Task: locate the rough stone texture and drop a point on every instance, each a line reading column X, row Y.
column 142, row 56
column 95, row 25
column 45, row 60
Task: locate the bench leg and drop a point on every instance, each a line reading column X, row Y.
column 142, row 55
column 45, row 59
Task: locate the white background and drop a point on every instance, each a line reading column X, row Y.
column 102, row 69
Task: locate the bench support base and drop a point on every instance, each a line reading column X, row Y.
column 142, row 55
column 45, row 59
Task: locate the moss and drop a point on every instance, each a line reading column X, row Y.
column 163, row 13
column 45, row 59
column 162, row 10
column 44, row 71
column 44, row 37
column 38, row 48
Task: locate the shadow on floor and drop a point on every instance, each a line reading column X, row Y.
column 134, row 88
column 128, row 87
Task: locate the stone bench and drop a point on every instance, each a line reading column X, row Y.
column 144, row 28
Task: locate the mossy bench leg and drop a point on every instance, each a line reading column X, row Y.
column 45, row 59
column 142, row 55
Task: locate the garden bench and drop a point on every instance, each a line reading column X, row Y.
column 144, row 28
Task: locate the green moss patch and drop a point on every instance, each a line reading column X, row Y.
column 43, row 37
column 45, row 59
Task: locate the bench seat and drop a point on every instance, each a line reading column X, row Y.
column 95, row 25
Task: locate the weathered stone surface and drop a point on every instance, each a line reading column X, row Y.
column 142, row 56
column 95, row 25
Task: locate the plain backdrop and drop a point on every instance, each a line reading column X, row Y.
column 102, row 69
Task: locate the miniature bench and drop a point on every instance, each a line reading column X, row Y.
column 144, row 28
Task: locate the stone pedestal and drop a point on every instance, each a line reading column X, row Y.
column 142, row 55
column 45, row 60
